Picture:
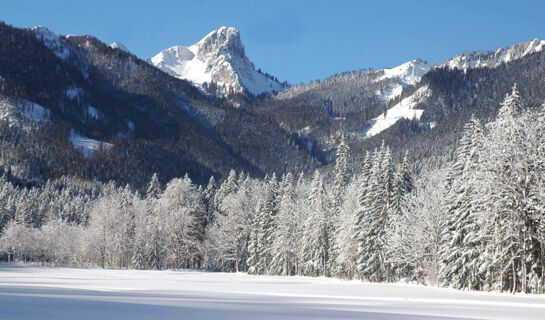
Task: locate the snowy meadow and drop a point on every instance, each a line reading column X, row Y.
column 61, row 293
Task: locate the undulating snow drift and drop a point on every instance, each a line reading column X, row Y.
column 219, row 58
column 56, row 293
column 405, row 109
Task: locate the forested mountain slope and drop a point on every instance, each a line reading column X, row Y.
column 426, row 116
column 151, row 121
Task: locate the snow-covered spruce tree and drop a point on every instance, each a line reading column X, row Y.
column 363, row 210
column 343, row 175
column 229, row 186
column 7, row 202
column 345, row 238
column 317, row 235
column 402, row 184
column 286, row 230
column 462, row 245
column 253, row 241
column 414, row 236
column 301, row 191
column 128, row 225
column 209, row 199
column 156, row 243
column 372, row 262
column 180, row 207
column 267, row 225
column 513, row 182
column 154, row 188
column 227, row 238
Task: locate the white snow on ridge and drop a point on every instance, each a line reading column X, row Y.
column 480, row 59
column 402, row 110
column 409, row 73
column 119, row 45
column 31, row 292
column 220, row 58
column 181, row 62
column 87, row 146
column 52, row 41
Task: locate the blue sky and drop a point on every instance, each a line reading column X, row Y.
column 294, row 40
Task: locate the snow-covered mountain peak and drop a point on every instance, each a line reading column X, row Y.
column 409, row 72
column 119, row 45
column 225, row 39
column 218, row 58
column 43, row 31
column 492, row 59
column 52, row 41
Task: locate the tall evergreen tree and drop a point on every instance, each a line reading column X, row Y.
column 462, row 245
column 154, row 188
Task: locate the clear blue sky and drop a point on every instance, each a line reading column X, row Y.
column 294, row 40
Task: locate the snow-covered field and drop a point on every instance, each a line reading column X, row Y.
column 62, row 293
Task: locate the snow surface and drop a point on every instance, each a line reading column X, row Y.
column 390, row 92
column 181, row 62
column 402, row 110
column 220, row 58
column 86, row 145
column 64, row 293
column 409, row 73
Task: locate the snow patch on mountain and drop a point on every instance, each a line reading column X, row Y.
column 408, row 73
column 85, row 145
column 34, row 112
column 73, row 92
column 390, row 92
column 22, row 114
column 492, row 59
column 219, row 58
column 94, row 113
column 181, row 62
column 52, row 41
column 405, row 109
column 119, row 45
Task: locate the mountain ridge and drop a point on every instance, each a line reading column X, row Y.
column 217, row 60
